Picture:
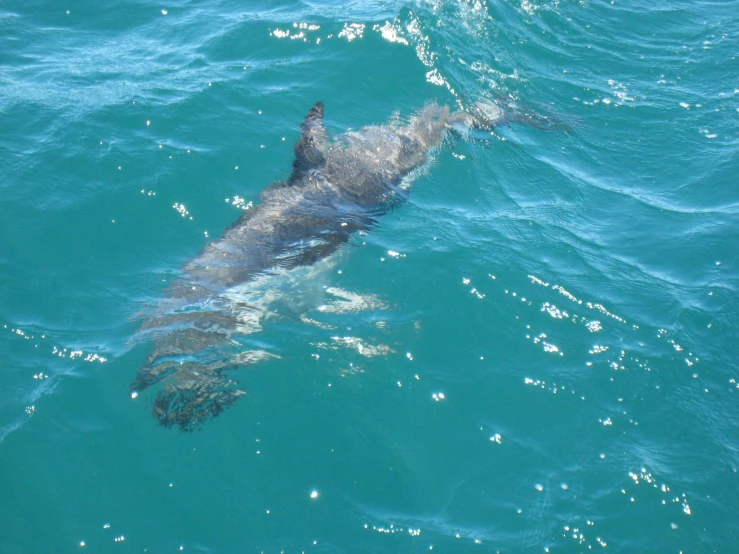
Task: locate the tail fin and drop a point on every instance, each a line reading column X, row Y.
column 193, row 394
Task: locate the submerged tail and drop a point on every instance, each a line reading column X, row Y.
column 194, row 393
column 193, row 353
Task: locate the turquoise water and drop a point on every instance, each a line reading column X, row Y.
column 542, row 352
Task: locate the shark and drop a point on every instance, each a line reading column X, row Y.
column 338, row 187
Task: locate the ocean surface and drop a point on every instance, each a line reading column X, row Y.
column 536, row 353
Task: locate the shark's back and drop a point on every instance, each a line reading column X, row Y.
column 336, row 188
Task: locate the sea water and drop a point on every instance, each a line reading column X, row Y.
column 536, row 353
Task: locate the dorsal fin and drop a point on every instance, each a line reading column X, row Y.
column 308, row 152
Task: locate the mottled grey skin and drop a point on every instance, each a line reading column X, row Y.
column 337, row 187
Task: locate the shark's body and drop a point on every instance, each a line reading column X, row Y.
column 337, row 187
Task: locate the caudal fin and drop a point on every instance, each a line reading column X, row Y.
column 194, row 394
